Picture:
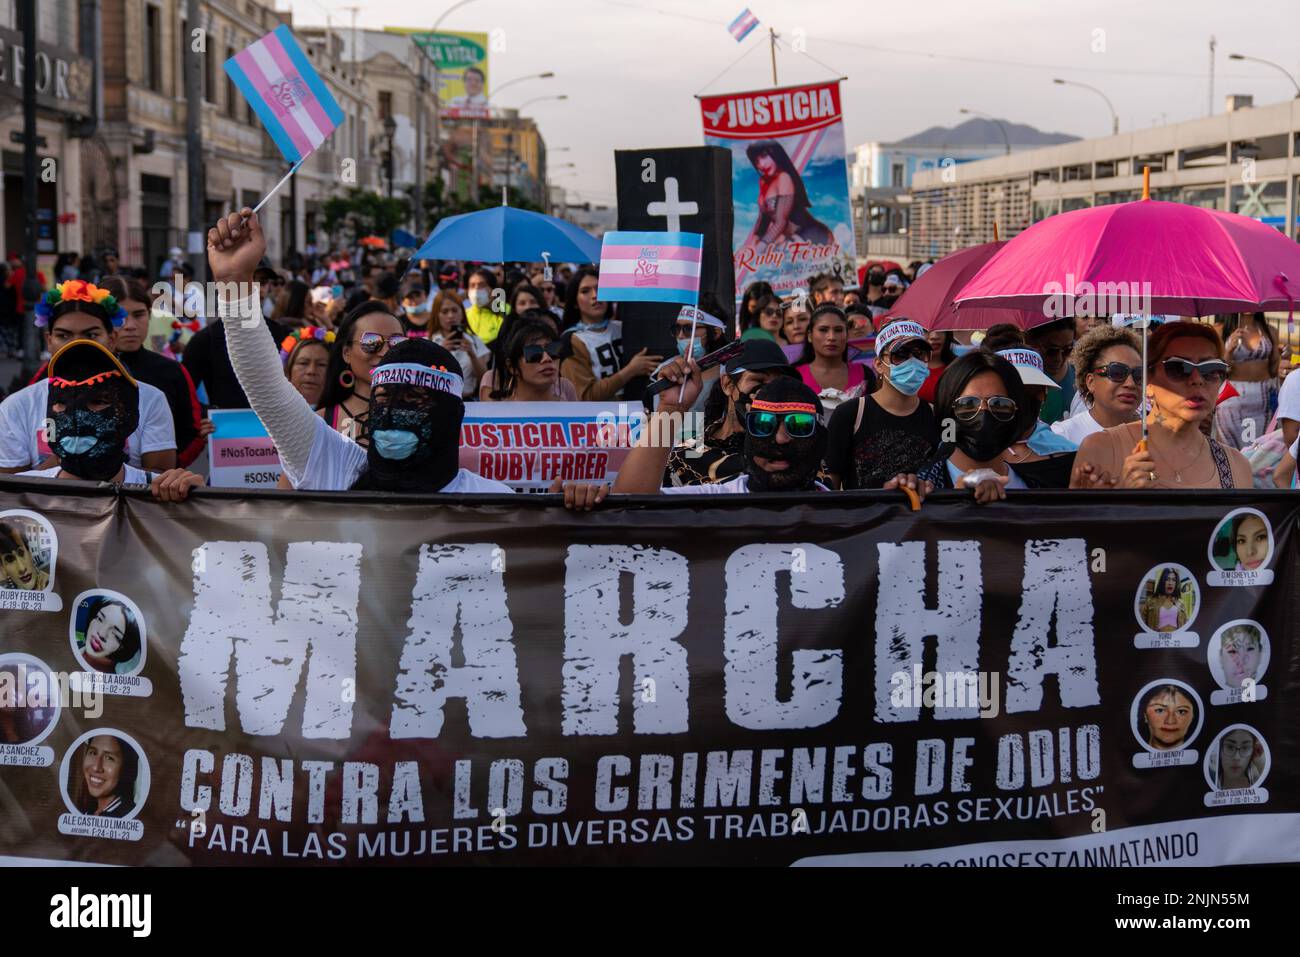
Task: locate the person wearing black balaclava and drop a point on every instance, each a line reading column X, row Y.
column 784, row 443
column 415, row 399
column 93, row 406
column 983, row 404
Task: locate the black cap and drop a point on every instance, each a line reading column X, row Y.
column 758, row 355
column 265, row 266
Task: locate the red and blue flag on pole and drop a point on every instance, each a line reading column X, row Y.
column 286, row 92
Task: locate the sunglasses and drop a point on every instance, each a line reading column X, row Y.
column 915, row 350
column 1056, row 351
column 534, row 352
column 1213, row 371
column 800, row 425
column 1119, row 373
column 372, row 342
column 999, row 406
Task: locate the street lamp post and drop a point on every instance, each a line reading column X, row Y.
column 1114, row 117
column 437, row 91
column 519, row 109
column 488, row 108
column 1281, row 69
column 1001, row 128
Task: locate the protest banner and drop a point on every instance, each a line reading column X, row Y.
column 529, row 445
column 790, row 186
column 240, row 453
column 356, row 678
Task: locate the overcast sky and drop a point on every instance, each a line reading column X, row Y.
column 631, row 69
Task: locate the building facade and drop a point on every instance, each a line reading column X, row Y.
column 65, row 147
column 1243, row 160
column 516, row 156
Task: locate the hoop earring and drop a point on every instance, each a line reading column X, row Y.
column 347, row 379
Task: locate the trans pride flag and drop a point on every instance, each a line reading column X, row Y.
column 286, row 92
column 742, row 25
column 651, row 267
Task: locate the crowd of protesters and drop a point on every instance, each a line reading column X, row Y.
column 359, row 364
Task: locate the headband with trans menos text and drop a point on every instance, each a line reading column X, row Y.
column 428, row 377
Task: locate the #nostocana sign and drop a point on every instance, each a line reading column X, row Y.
column 240, row 453
column 342, row 679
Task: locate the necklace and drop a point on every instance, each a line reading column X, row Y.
column 1178, row 469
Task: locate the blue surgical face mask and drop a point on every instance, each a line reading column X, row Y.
column 480, row 297
column 77, row 444
column 908, row 377
column 395, row 444
column 697, row 348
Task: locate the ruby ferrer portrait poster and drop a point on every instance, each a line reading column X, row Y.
column 789, row 182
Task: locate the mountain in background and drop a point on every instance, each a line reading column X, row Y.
column 981, row 132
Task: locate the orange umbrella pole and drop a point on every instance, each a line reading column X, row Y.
column 995, row 232
column 1146, row 182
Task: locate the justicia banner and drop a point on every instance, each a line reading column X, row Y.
column 1063, row 679
column 790, row 186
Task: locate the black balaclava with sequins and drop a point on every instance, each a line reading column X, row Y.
column 414, row 429
column 93, row 407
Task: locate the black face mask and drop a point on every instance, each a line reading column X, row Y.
column 414, row 440
column 984, row 438
column 804, row 456
column 886, row 301
column 91, row 445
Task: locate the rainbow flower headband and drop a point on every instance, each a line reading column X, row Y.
column 78, row 290
column 304, row 334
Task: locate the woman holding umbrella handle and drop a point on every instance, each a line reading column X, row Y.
column 1185, row 370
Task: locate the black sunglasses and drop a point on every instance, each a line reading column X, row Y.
column 1213, row 371
column 1119, row 373
column 555, row 349
column 913, row 350
column 1061, row 351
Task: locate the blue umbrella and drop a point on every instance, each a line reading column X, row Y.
column 505, row 234
column 401, row 238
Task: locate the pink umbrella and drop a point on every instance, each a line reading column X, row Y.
column 1140, row 257
column 929, row 299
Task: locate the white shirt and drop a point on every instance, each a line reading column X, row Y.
column 133, row 475
column 1077, row 405
column 1288, row 399
column 738, row 485
column 22, row 426
column 1077, row 427
column 336, row 462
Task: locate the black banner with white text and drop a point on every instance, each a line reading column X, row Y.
column 1063, row 679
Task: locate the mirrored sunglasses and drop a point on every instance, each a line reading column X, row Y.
column 800, row 425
